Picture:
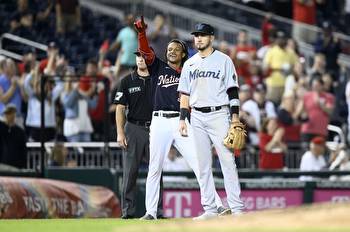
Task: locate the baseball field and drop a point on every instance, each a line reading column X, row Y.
column 316, row 218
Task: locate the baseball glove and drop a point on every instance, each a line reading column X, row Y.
column 236, row 136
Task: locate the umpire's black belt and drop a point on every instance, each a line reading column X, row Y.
column 208, row 109
column 166, row 114
column 140, row 123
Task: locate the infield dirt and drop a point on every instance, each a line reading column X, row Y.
column 321, row 217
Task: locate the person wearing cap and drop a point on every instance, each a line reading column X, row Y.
column 13, row 150
column 209, row 86
column 313, row 160
column 134, row 94
column 277, row 64
column 166, row 114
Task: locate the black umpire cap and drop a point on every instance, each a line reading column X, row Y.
column 203, row 28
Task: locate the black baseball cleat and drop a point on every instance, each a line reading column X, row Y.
column 147, row 217
column 222, row 211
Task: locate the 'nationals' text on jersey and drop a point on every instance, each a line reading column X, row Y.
column 165, row 81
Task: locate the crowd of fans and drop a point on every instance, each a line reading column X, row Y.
column 283, row 98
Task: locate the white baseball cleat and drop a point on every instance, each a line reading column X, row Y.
column 206, row 216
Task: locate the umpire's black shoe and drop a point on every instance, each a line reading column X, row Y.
column 147, row 217
column 127, row 217
column 161, row 217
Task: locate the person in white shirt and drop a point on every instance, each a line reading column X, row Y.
column 313, row 160
column 259, row 108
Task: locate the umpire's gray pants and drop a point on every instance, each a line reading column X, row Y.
column 137, row 150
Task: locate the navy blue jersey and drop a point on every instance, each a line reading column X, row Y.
column 164, row 84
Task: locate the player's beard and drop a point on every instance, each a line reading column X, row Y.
column 203, row 47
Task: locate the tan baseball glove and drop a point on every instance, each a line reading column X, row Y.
column 236, row 136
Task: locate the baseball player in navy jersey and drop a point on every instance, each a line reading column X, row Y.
column 208, row 84
column 165, row 120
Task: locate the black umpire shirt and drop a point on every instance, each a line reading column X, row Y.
column 135, row 92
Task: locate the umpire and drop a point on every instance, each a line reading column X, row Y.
column 135, row 94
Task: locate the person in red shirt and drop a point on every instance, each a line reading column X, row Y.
column 271, row 145
column 304, row 15
column 243, row 55
column 318, row 106
column 267, row 29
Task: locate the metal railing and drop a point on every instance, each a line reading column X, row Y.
column 20, row 40
column 83, row 154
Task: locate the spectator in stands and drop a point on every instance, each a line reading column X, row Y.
column 261, row 53
column 243, row 54
column 93, row 83
column 126, row 42
column 42, row 19
column 293, row 45
column 318, row 106
column 347, row 95
column 330, row 46
column 319, row 65
column 292, row 79
column 10, row 89
column 278, row 63
column 271, row 145
column 328, row 84
column 58, row 156
column 162, row 32
column 313, row 160
column 25, row 26
column 304, row 15
column 52, row 48
column 339, row 160
column 13, row 150
column 77, row 126
column 52, row 90
column 258, row 108
column 68, row 17
column 288, row 115
column 267, row 29
column 246, row 117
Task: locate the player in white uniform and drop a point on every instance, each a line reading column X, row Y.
column 208, row 84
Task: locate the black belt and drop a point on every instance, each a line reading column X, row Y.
column 208, row 109
column 166, row 115
column 140, row 123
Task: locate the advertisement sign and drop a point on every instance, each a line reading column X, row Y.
column 43, row 198
column 186, row 203
column 331, row 195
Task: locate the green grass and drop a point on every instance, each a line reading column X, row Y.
column 116, row 225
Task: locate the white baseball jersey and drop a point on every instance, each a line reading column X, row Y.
column 207, row 79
